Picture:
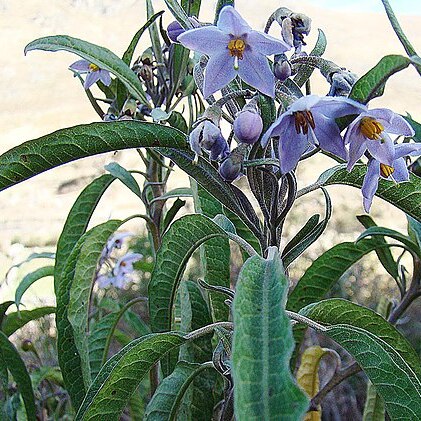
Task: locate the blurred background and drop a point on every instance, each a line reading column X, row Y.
column 40, row 95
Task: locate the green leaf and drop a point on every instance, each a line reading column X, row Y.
column 192, row 7
column 66, row 145
column 414, row 230
column 183, row 237
column 179, row 60
column 30, row 279
column 124, row 176
column 263, row 384
column 10, row 355
column 337, row 311
column 15, row 321
column 384, row 254
column 81, row 287
column 372, row 84
column 374, row 405
column 386, row 232
column 215, row 253
column 102, row 57
column 52, row 374
column 405, row 196
column 121, row 375
column 3, row 308
column 305, row 71
column 174, row 193
column 415, row 125
column 179, row 13
column 166, row 401
column 172, row 212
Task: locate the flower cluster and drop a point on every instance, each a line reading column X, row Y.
column 117, row 272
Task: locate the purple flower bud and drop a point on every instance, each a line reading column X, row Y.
column 231, row 168
column 282, row 70
column 248, row 126
column 174, row 30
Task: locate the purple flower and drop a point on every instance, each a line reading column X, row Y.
column 370, row 131
column 397, row 171
column 309, row 122
column 122, row 273
column 114, row 242
column 234, row 48
column 94, row 73
column 174, row 30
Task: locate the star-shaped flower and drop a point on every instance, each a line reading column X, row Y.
column 310, row 122
column 397, row 171
column 234, row 48
column 369, row 131
column 94, row 73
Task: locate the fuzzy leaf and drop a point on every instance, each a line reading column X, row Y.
column 15, row 321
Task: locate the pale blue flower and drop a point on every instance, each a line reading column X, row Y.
column 94, row 73
column 114, row 242
column 397, row 171
column 369, row 131
column 234, row 48
column 310, row 122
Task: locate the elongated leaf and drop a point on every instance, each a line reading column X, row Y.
column 174, row 193
column 386, row 232
column 179, row 60
column 172, row 212
column 102, row 57
column 3, row 308
column 405, row 196
column 124, row 176
column 326, row 271
column 215, row 253
column 30, row 279
column 77, row 221
column 121, row 375
column 374, row 405
column 66, row 145
column 384, row 254
column 263, row 385
column 371, row 85
column 337, row 311
column 179, row 13
column 165, row 402
column 80, row 291
column 182, row 238
column 15, row 321
column 14, row 363
column 192, row 7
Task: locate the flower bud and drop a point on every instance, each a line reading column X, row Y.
column 230, row 169
column 248, row 126
column 174, row 30
column 27, row 345
column 282, row 70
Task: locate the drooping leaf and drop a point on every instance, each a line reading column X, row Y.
column 3, row 308
column 66, row 145
column 179, row 13
column 30, row 279
column 165, row 402
column 263, row 385
column 414, row 230
column 102, row 57
column 81, row 287
column 372, row 84
column 10, row 356
column 121, row 375
column 405, row 196
column 172, row 212
column 337, row 311
column 18, row 319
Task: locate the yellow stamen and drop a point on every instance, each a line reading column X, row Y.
column 93, row 67
column 236, row 48
column 371, row 128
column 386, row 171
column 303, row 119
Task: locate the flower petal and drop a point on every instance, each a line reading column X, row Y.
column 335, row 107
column 80, row 66
column 370, row 183
column 304, row 103
column 401, row 172
column 230, row 22
column 254, row 69
column 357, row 147
column 275, row 129
column 328, row 135
column 206, row 40
column 404, row 149
column 291, row 146
column 219, row 72
column 265, row 44
column 382, row 151
column 91, row 79
column 105, row 77
column 392, row 122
